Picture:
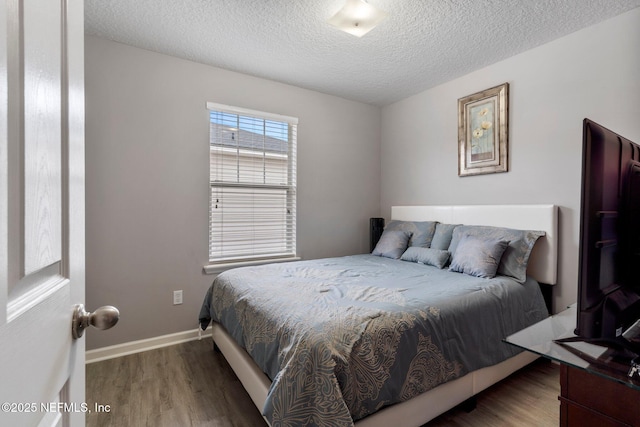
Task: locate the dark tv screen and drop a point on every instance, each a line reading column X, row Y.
column 608, row 285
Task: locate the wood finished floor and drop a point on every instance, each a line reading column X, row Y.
column 191, row 385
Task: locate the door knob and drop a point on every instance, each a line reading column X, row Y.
column 103, row 318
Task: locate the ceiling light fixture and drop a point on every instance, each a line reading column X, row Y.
column 357, row 17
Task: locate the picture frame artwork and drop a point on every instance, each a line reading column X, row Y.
column 483, row 132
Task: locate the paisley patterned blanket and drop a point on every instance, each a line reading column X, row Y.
column 341, row 338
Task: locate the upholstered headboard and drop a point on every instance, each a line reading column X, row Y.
column 543, row 264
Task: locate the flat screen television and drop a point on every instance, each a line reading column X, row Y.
column 609, row 259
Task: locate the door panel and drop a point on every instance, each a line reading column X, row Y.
column 42, row 212
column 42, row 34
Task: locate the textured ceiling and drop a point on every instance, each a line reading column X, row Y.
column 421, row 44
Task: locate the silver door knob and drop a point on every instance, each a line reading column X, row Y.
column 103, row 318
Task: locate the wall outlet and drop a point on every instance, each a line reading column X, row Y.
column 177, row 297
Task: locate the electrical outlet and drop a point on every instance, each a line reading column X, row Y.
column 177, row 297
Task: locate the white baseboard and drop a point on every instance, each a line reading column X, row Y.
column 133, row 347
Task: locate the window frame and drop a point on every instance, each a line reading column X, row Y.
column 218, row 265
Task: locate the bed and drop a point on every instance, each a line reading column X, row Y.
column 382, row 340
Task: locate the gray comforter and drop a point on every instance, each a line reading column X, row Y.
column 343, row 337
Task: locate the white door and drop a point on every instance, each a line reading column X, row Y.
column 41, row 211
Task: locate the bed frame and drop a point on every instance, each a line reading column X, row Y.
column 424, row 407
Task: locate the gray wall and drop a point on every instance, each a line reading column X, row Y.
column 592, row 73
column 147, row 179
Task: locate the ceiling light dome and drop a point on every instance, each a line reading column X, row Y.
column 357, row 17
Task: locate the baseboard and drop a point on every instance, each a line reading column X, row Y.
column 139, row 346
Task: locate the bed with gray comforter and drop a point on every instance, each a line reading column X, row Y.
column 341, row 338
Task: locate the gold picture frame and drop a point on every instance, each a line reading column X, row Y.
column 483, row 132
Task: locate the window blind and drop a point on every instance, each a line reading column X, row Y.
column 252, row 165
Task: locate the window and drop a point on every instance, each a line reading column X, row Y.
column 253, row 185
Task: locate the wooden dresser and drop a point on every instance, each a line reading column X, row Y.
column 588, row 399
column 594, row 387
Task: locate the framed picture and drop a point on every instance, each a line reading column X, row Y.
column 483, row 132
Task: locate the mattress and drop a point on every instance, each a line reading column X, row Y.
column 341, row 338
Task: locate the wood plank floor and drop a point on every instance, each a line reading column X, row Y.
column 191, row 385
column 527, row 398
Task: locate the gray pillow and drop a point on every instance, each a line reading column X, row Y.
column 515, row 258
column 392, row 244
column 442, row 237
column 477, row 256
column 422, row 231
column 428, row 256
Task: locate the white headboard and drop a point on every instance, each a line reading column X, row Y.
column 543, row 264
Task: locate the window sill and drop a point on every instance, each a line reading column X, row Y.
column 219, row 268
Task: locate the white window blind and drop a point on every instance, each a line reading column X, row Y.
column 253, row 185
